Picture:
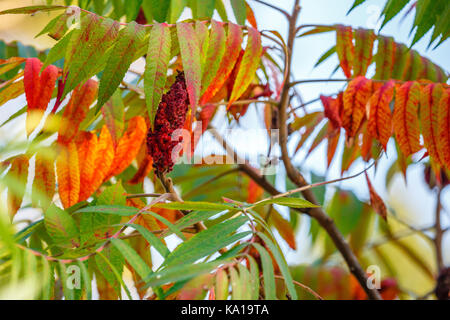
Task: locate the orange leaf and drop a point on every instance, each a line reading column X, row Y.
column 67, row 169
column 345, row 48
column 254, row 191
column 364, row 39
column 375, row 200
column 129, row 145
column 44, row 179
column 355, row 98
column 380, row 124
column 405, row 119
column 87, row 143
column 429, row 118
column 284, row 228
column 333, row 140
column 18, row 172
column 103, row 159
column 443, row 147
column 75, row 111
column 233, row 45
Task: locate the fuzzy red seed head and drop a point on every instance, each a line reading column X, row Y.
column 170, row 116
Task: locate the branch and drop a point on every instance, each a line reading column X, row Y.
column 296, row 177
column 439, row 232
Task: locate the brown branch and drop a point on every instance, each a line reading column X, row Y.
column 301, row 285
column 439, row 233
column 296, row 177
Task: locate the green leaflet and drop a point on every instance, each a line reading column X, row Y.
column 254, row 278
column 288, row 202
column 117, row 65
column 194, row 205
column 236, row 284
column 152, row 240
column 110, row 264
column 114, row 114
column 191, row 58
column 136, row 262
column 180, row 273
column 326, row 55
column 158, row 9
column 86, row 280
column 276, row 252
column 32, row 9
column 221, row 286
column 244, row 275
column 216, row 50
column 268, row 273
column 86, row 49
column 58, row 51
column 112, row 209
column 248, row 66
column 206, row 242
column 240, row 11
column 157, row 62
column 60, row 225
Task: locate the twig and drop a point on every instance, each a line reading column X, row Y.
column 284, row 12
column 301, row 285
column 143, row 195
column 439, row 232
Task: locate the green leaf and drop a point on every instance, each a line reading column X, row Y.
column 114, row 115
column 246, row 288
column 157, row 62
column 169, row 225
column 58, row 51
column 136, row 262
column 240, row 11
column 236, row 285
column 194, row 217
column 391, row 9
column 117, row 65
column 86, row 280
column 191, row 59
column 60, row 225
column 110, row 264
column 254, row 279
column 87, row 48
column 32, row 9
column 222, row 285
column 202, row 8
column 157, row 8
column 179, row 273
column 326, row 55
column 282, row 264
column 119, row 210
column 207, row 242
column 194, row 205
column 288, row 202
column 268, row 273
column 152, row 240
column 355, row 4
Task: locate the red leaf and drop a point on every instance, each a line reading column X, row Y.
column 380, row 123
column 31, row 81
column 405, row 119
column 355, row 98
column 254, row 191
column 331, row 110
column 19, row 173
column 375, row 200
column 429, row 118
column 67, row 169
column 364, row 39
column 444, row 128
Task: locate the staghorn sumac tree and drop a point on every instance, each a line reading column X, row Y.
column 104, row 142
